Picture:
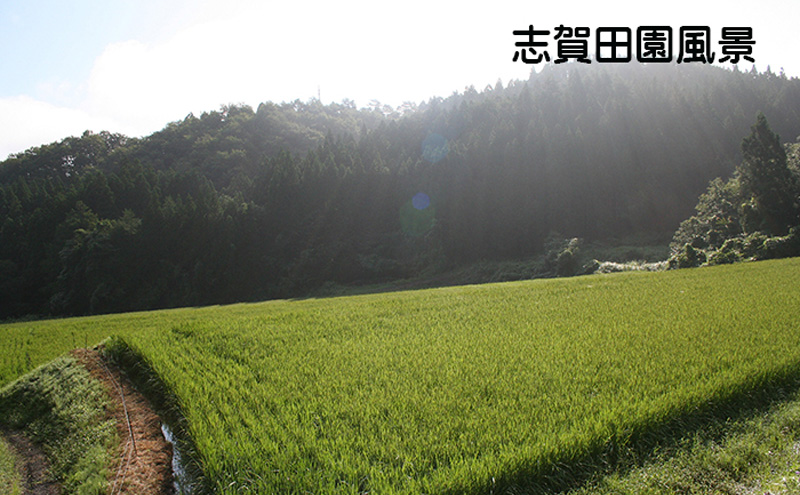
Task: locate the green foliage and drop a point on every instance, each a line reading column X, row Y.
column 354, row 396
column 9, row 476
column 688, row 258
column 241, row 204
column 766, row 178
column 717, row 216
column 28, row 345
column 61, row 408
column 780, row 247
column 646, row 248
column 735, row 219
column 754, row 453
column 88, row 282
column 752, row 247
column 730, row 252
column 567, row 260
column 445, row 390
column 562, row 255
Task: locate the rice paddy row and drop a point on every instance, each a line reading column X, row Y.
column 458, row 390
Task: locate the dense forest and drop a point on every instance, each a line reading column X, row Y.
column 754, row 214
column 241, row 204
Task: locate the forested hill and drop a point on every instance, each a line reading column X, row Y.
column 243, row 204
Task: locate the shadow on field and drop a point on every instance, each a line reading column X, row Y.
column 149, row 384
column 629, row 449
column 637, row 445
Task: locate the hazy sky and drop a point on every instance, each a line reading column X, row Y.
column 132, row 66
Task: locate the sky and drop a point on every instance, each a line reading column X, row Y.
column 133, row 66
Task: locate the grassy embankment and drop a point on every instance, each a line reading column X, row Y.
column 9, row 477
column 523, row 386
column 756, row 453
column 61, row 408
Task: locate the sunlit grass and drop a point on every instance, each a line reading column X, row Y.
column 462, row 389
column 63, row 410
column 450, row 389
column 754, row 454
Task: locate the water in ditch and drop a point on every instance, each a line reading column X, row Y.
column 180, row 479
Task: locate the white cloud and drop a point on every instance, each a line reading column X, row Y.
column 284, row 53
column 27, row 122
column 143, row 86
column 245, row 53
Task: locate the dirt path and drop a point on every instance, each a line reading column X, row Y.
column 32, row 465
column 143, row 466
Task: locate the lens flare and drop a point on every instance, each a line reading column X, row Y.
column 435, row 147
column 420, row 201
column 417, row 216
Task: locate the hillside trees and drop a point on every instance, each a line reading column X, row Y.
column 242, row 204
column 92, row 278
column 767, row 181
column 750, row 214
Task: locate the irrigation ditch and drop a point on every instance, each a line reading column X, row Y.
column 144, row 460
column 185, row 475
column 181, row 481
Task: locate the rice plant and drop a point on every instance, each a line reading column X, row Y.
column 473, row 389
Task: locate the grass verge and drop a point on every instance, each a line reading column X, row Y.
column 62, row 409
column 755, row 452
column 9, row 476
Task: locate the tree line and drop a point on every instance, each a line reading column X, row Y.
column 242, row 204
column 754, row 214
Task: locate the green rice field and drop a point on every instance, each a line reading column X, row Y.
column 473, row 389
